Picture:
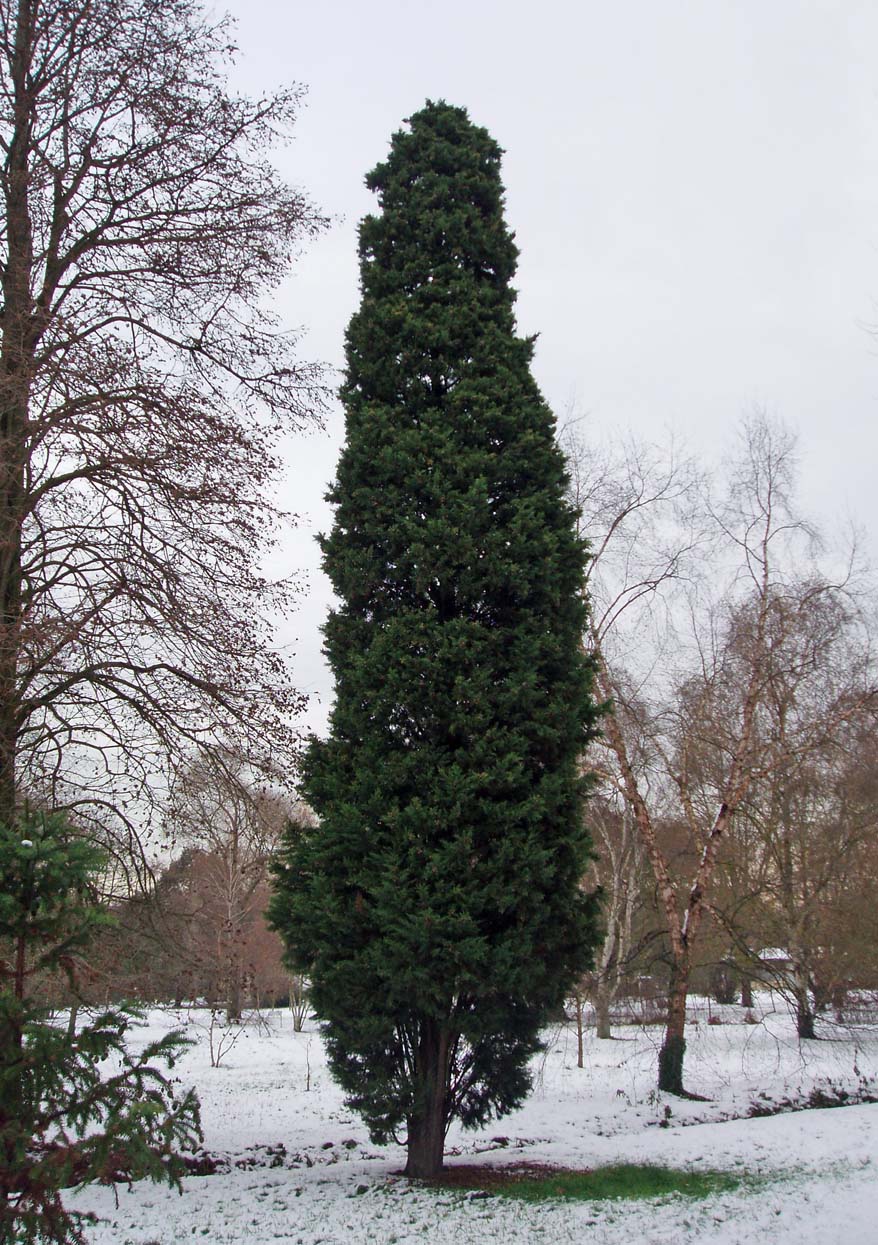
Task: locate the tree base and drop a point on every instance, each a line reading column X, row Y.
column 426, row 1148
column 670, row 1078
column 421, row 1166
column 805, row 1028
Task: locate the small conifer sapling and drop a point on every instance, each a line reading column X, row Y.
column 75, row 1106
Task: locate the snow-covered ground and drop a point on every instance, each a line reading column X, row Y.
column 301, row 1169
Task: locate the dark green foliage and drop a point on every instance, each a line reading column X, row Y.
column 46, row 908
column 74, row 1107
column 437, row 906
column 76, row 1126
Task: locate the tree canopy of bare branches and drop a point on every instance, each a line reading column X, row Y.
column 143, row 387
column 731, row 658
column 797, row 872
column 236, row 825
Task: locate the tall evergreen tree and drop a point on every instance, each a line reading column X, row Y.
column 438, row 906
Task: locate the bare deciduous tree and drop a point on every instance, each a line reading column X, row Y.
column 619, row 872
column 639, row 508
column 810, row 815
column 142, row 390
column 234, row 825
column 690, row 699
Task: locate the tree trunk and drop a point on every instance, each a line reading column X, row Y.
column 12, row 419
column 804, row 1016
column 11, row 1060
column 805, row 1009
column 426, row 1125
column 602, row 1011
column 298, row 1002
column 670, row 1079
column 746, row 992
column 233, row 994
column 426, row 1145
column 839, row 999
column 16, row 351
column 580, row 1062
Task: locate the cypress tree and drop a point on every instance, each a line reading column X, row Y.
column 437, row 905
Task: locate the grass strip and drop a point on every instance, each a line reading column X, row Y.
column 621, row 1181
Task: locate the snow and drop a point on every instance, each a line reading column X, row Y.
column 301, row 1169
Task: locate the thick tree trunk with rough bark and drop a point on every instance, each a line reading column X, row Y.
column 19, row 337
column 8, row 732
column 13, row 417
column 10, row 605
column 426, row 1145
column 427, row 1124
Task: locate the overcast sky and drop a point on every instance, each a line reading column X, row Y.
column 694, row 189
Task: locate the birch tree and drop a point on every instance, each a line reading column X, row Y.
column 639, row 505
column 810, row 816
column 619, row 871
column 704, row 679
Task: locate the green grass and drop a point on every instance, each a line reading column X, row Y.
column 622, row 1181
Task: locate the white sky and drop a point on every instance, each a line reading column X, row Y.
column 694, row 189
